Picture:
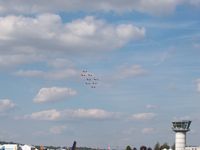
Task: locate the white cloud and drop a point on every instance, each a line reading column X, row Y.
column 196, row 45
column 195, row 3
column 53, row 94
column 6, row 104
column 20, row 44
column 62, row 74
column 149, row 106
column 49, row 115
column 148, row 130
column 30, row 73
column 130, row 71
column 60, row 63
column 198, row 85
column 165, row 56
column 143, row 116
column 69, row 114
column 55, row 74
column 51, row 34
column 10, row 60
column 89, row 114
column 57, row 129
column 154, row 7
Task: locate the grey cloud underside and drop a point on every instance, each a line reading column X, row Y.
column 145, row 6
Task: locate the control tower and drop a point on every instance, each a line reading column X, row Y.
column 181, row 127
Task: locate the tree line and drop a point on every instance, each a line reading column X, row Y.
column 157, row 146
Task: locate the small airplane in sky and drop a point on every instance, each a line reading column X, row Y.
column 89, row 74
column 96, row 79
column 87, row 83
column 90, row 79
column 84, row 71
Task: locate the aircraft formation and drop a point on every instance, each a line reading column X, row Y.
column 90, row 79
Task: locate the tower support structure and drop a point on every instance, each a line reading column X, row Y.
column 181, row 128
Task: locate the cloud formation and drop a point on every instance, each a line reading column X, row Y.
column 13, row 59
column 198, row 85
column 69, row 114
column 148, row 130
column 143, row 116
column 152, row 7
column 55, row 74
column 130, row 72
column 51, row 33
column 57, row 129
column 28, row 39
column 150, row 106
column 48, row 115
column 90, row 114
column 53, row 94
column 6, row 104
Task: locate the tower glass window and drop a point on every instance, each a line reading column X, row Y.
column 181, row 125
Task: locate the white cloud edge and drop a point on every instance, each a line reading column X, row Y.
column 6, row 105
column 53, row 94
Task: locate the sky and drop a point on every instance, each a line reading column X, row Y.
column 101, row 72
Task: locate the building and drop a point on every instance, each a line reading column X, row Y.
column 192, row 148
column 181, row 128
column 27, row 147
column 9, row 147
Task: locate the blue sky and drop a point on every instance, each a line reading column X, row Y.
column 145, row 54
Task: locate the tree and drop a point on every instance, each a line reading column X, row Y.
column 157, row 146
column 143, row 148
column 173, row 147
column 134, row 148
column 128, row 148
column 164, row 146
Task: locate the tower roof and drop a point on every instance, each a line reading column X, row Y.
column 181, row 126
